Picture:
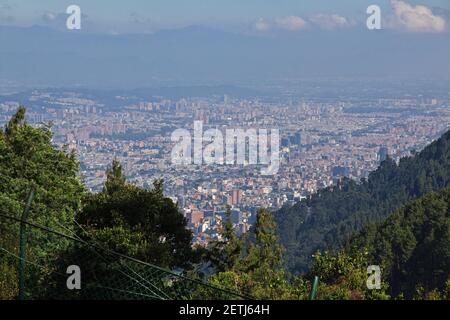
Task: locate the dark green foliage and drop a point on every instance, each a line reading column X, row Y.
column 257, row 266
column 330, row 217
column 27, row 157
column 226, row 253
column 413, row 245
column 343, row 276
column 124, row 220
column 137, row 222
column 130, row 220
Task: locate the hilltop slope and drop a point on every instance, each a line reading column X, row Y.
column 330, row 217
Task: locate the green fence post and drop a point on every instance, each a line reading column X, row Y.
column 22, row 246
column 313, row 292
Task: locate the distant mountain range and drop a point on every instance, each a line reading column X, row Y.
column 198, row 55
column 330, row 218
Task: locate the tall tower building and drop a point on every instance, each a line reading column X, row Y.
column 236, row 196
column 383, row 153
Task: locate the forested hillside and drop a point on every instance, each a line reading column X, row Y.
column 413, row 246
column 331, row 216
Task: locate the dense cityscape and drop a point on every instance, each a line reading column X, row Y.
column 321, row 141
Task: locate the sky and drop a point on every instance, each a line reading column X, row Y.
column 126, row 43
column 136, row 16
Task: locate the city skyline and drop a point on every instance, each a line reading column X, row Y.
column 320, row 142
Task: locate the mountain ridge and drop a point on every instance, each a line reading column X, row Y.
column 44, row 56
column 329, row 218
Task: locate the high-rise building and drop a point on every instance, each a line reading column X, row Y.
column 298, row 138
column 236, row 196
column 383, row 153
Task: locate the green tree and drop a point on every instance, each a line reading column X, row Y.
column 125, row 220
column 343, row 276
column 28, row 158
column 225, row 254
column 137, row 222
column 329, row 218
column 257, row 264
column 414, row 245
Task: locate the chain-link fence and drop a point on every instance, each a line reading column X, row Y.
column 103, row 274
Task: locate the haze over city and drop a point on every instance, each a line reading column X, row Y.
column 213, row 42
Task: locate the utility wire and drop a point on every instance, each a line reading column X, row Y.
column 5, row 215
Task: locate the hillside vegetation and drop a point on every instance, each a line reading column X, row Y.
column 330, row 217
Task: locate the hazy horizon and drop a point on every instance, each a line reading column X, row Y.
column 220, row 43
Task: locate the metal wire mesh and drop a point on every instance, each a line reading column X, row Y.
column 105, row 274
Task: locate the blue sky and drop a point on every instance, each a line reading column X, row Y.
column 269, row 40
column 150, row 15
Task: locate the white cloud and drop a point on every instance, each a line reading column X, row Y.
column 261, row 25
column 330, row 21
column 416, row 18
column 296, row 23
column 291, row 23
